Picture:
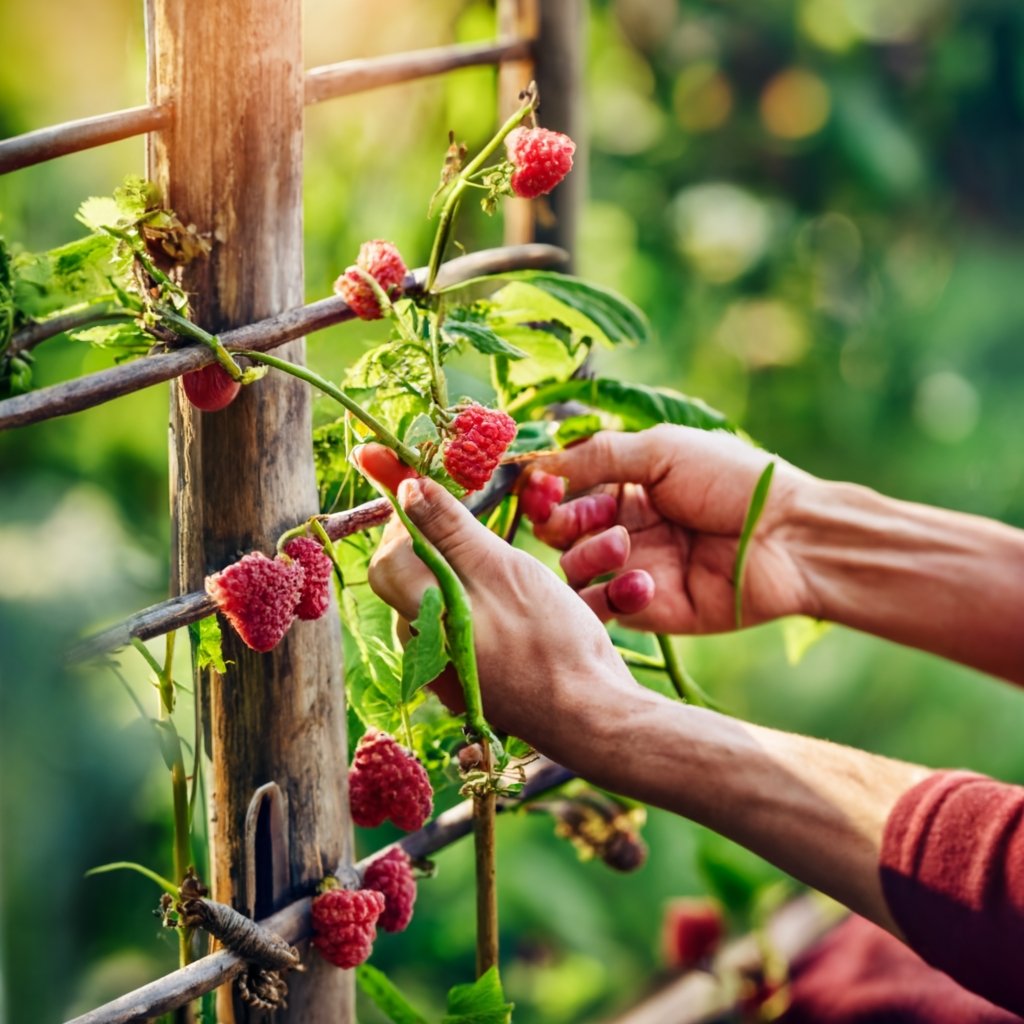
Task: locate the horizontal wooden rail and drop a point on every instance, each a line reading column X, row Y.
column 96, row 388
column 185, row 609
column 353, row 76
column 73, row 136
column 322, row 83
column 292, row 923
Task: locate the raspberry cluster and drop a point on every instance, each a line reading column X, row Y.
column 392, row 876
column 211, row 388
column 478, row 438
column 258, row 596
column 383, row 262
column 541, row 159
column 261, row 596
column 316, row 584
column 540, row 494
column 386, row 781
column 345, row 924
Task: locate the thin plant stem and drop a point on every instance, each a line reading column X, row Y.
column 484, row 849
column 677, row 674
column 454, row 197
column 408, row 455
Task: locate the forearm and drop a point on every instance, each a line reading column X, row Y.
column 815, row 809
column 945, row 582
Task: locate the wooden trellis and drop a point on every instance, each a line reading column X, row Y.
column 225, row 142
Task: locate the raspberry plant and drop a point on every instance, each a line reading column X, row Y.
column 537, row 330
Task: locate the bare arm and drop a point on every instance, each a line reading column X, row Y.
column 552, row 677
column 945, row 582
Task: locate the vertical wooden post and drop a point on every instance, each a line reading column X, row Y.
column 557, row 30
column 231, row 163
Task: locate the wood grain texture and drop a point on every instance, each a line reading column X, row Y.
column 231, row 163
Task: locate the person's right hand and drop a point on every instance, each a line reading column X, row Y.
column 671, row 501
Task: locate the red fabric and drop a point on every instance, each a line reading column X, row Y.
column 952, row 870
column 860, row 974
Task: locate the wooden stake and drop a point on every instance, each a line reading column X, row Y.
column 231, row 163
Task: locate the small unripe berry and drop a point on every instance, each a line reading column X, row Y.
column 691, row 932
column 210, row 388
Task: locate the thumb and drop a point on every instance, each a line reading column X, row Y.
column 447, row 524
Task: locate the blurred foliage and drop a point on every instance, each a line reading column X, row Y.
column 816, row 202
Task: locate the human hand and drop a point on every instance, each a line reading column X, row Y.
column 670, row 502
column 544, row 659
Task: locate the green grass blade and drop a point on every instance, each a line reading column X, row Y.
column 754, row 510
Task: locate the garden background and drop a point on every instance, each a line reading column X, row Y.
column 816, row 202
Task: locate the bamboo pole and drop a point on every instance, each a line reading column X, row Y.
column 231, row 163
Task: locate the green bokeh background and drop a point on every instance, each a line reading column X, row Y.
column 816, row 202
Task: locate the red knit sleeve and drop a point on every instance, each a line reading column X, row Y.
column 952, row 869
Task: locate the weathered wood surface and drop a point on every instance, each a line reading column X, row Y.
column 231, row 163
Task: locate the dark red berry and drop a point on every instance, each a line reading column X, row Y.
column 541, row 159
column 345, row 924
column 478, row 438
column 382, row 261
column 317, row 568
column 387, row 781
column 392, row 876
column 691, row 932
column 540, row 494
column 210, row 389
column 258, row 596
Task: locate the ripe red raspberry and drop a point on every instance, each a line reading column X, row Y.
column 539, row 496
column 691, row 932
column 386, row 781
column 258, row 596
column 345, row 924
column 479, row 437
column 210, row 388
column 317, row 568
column 541, row 158
column 382, row 261
column 392, row 876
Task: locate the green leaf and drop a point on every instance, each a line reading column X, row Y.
column 372, row 680
column 482, row 337
column 421, row 429
column 482, row 1002
column 129, row 865
column 800, row 633
column 734, row 875
column 395, row 379
column 425, row 653
column 386, row 997
column 754, row 510
column 615, row 317
column 636, row 405
column 576, row 428
column 207, row 639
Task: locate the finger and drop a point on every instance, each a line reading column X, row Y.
column 613, row 457
column 575, row 519
column 396, row 575
column 627, row 594
column 595, row 556
column 382, row 465
column 449, row 525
